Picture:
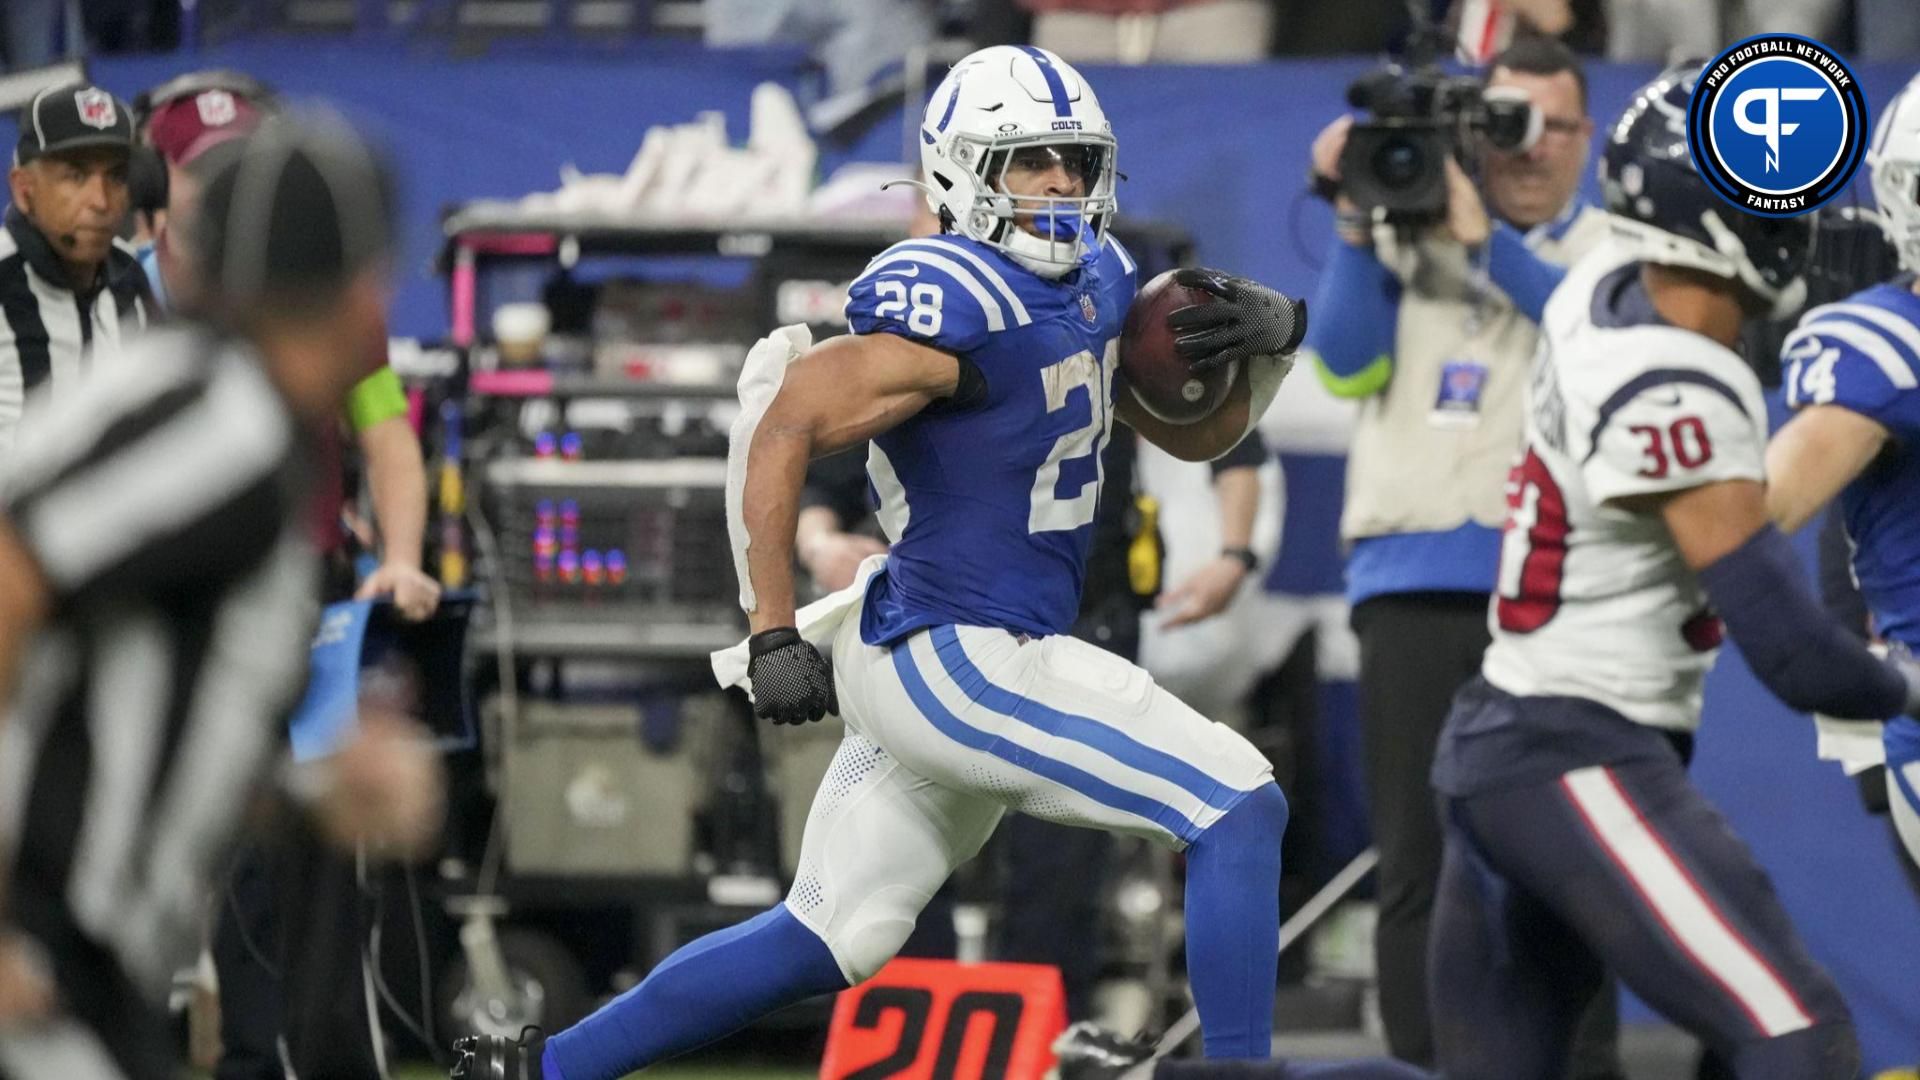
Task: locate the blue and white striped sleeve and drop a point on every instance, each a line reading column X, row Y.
column 937, row 292
column 1858, row 356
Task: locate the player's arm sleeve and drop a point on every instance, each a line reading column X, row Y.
column 1526, row 278
column 1356, row 312
column 1862, row 367
column 175, row 491
column 1794, row 648
column 1670, row 430
column 377, row 398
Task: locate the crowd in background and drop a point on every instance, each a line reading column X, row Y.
column 866, row 35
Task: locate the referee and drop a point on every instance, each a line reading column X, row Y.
column 69, row 290
column 156, row 605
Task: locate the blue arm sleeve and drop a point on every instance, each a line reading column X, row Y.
column 1793, row 646
column 1355, row 313
column 1526, row 278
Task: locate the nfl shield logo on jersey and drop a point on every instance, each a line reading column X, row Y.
column 96, row 107
column 1087, row 309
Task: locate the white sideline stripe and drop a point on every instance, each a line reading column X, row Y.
column 996, row 318
column 1686, row 912
column 1020, row 316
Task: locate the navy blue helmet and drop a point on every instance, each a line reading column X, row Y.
column 1665, row 212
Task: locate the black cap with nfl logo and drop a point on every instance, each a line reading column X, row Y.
column 73, row 117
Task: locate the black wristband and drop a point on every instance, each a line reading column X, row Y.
column 1322, row 187
column 768, row 640
column 1245, row 556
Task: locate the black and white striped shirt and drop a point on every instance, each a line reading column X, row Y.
column 163, row 500
column 49, row 333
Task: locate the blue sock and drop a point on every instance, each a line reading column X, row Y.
column 1233, row 925
column 706, row 989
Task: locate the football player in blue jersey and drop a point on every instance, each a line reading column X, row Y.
column 981, row 365
column 1852, row 374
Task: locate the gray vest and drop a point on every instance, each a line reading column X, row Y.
column 1413, row 465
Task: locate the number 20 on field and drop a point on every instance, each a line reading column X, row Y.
column 939, row 1020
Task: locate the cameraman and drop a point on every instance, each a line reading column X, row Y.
column 1432, row 330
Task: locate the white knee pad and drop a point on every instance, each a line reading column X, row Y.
column 879, row 842
column 868, row 934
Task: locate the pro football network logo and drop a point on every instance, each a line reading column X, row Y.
column 1777, row 125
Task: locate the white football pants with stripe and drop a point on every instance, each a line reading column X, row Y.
column 956, row 725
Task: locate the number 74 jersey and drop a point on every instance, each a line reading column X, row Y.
column 1593, row 599
column 990, row 506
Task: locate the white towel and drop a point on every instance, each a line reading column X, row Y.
column 817, row 622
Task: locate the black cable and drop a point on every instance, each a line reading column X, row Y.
column 246, row 939
column 375, row 935
column 391, row 1000
column 426, row 963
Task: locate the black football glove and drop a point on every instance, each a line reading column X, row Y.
column 792, row 683
column 1246, row 319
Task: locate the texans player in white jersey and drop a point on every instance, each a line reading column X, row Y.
column 1853, row 378
column 1575, row 843
column 981, row 365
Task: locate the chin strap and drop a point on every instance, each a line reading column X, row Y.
column 1031, row 251
column 761, row 376
column 924, row 187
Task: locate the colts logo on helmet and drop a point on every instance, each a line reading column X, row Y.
column 1777, row 124
column 96, row 108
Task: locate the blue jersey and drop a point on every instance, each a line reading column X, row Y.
column 1864, row 355
column 990, row 508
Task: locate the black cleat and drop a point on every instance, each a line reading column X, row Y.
column 496, row 1057
column 1088, row 1051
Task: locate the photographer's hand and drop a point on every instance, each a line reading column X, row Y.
column 1467, row 219
column 1327, row 148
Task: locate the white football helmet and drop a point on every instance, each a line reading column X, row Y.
column 1894, row 158
column 1016, row 103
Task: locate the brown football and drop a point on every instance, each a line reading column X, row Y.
column 1153, row 371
